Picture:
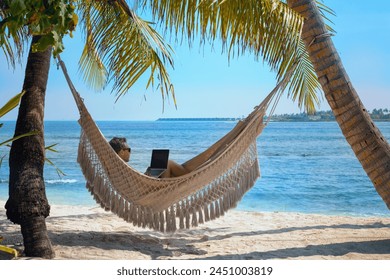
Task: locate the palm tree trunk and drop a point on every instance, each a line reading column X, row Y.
column 367, row 142
column 27, row 204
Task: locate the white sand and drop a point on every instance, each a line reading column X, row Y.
column 92, row 233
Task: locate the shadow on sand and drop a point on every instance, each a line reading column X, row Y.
column 157, row 245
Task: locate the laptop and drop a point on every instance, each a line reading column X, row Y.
column 158, row 163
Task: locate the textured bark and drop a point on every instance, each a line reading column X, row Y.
column 35, row 238
column 367, row 142
column 27, row 204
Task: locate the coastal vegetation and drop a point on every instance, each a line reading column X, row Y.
column 381, row 115
column 323, row 116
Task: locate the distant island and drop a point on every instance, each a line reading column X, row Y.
column 199, row 119
column 320, row 116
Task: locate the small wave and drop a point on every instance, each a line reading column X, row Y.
column 61, row 181
column 50, row 182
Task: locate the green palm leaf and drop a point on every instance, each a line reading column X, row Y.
column 12, row 46
column 303, row 85
column 10, row 105
column 121, row 47
column 268, row 29
column 326, row 13
column 18, row 137
column 50, row 148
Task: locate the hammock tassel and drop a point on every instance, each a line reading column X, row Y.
column 148, row 218
column 142, row 219
column 131, row 213
column 181, row 218
column 89, row 187
column 121, row 210
column 156, row 224
column 194, row 222
column 200, row 214
column 106, row 198
column 212, row 212
column 170, row 219
column 217, row 214
column 221, row 207
column 226, row 201
column 162, row 221
column 187, row 218
column 173, row 217
column 126, row 212
column 167, row 221
column 206, row 213
column 135, row 215
column 114, row 200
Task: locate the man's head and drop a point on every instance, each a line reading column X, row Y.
column 121, row 147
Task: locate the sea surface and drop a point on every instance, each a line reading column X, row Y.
column 306, row 167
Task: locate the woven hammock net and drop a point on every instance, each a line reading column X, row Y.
column 223, row 174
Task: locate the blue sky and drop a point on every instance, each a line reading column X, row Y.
column 207, row 85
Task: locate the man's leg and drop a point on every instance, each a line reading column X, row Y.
column 174, row 170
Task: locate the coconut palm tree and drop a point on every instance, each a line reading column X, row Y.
column 27, row 204
column 252, row 26
column 365, row 139
column 119, row 47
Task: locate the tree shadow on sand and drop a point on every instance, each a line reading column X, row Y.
column 334, row 249
column 170, row 246
column 378, row 247
column 318, row 227
column 158, row 245
column 377, row 225
column 126, row 241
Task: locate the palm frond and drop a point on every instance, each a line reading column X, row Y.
column 262, row 27
column 60, row 173
column 326, row 13
column 34, row 132
column 304, row 86
column 2, row 159
column 12, row 43
column 11, row 104
column 267, row 29
column 121, row 47
column 51, row 148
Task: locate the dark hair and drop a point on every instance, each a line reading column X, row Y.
column 119, row 143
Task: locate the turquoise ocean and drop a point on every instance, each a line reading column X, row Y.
column 306, row 167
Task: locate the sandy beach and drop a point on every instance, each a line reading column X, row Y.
column 84, row 233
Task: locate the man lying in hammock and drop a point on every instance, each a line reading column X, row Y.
column 120, row 146
column 174, row 169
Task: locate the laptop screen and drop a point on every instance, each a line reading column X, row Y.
column 159, row 159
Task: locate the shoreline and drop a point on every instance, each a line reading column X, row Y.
column 90, row 233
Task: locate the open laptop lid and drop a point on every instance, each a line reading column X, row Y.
column 159, row 159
